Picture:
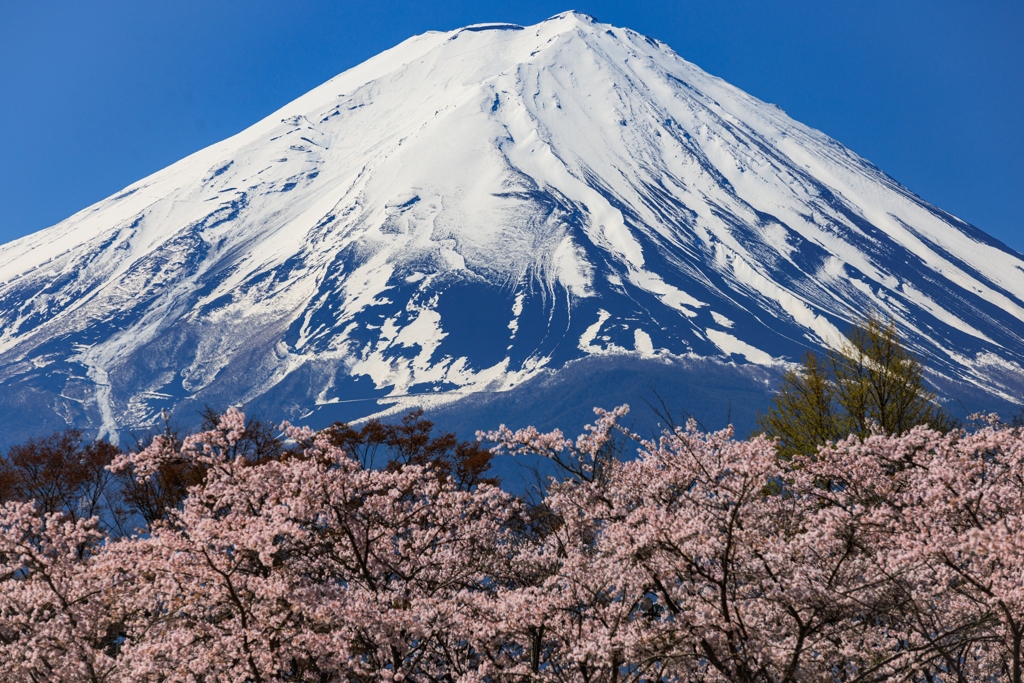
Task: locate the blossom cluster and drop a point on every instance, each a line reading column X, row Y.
column 703, row 558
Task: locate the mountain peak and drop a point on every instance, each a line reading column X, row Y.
column 571, row 16
column 558, row 24
column 473, row 209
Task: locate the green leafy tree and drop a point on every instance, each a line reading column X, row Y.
column 871, row 382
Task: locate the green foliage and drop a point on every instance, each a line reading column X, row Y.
column 872, row 382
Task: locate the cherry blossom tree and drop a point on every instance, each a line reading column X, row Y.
column 699, row 559
column 310, row 568
column 702, row 558
column 57, row 619
column 953, row 507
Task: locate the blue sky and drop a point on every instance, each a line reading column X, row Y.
column 94, row 96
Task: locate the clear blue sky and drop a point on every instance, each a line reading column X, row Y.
column 96, row 95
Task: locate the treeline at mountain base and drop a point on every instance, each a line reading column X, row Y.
column 705, row 558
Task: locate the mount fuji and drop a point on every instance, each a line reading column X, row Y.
column 477, row 213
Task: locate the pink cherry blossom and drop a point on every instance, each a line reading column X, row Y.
column 698, row 558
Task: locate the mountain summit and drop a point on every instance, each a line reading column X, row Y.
column 471, row 209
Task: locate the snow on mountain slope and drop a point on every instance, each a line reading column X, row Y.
column 471, row 208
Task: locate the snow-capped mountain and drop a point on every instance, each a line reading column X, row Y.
column 475, row 207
